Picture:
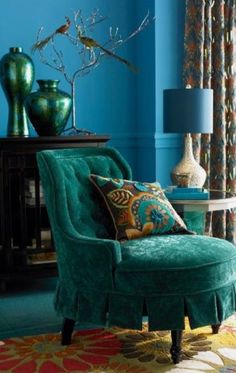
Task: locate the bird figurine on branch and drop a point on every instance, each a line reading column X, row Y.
column 63, row 29
column 90, row 43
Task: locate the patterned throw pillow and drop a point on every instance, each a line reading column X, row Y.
column 138, row 209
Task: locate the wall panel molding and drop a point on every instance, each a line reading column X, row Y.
column 146, row 140
column 168, row 141
column 133, row 140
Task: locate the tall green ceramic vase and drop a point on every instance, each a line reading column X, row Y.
column 17, row 76
column 48, row 108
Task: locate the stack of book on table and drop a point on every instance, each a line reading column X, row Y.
column 175, row 193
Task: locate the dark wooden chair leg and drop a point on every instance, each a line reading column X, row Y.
column 215, row 328
column 176, row 353
column 67, row 330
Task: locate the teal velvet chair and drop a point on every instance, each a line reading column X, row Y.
column 106, row 282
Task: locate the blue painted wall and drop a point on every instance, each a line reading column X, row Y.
column 169, row 61
column 104, row 93
column 135, row 139
column 112, row 99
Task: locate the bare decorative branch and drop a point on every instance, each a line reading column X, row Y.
column 89, row 50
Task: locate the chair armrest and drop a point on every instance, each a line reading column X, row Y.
column 87, row 261
column 110, row 248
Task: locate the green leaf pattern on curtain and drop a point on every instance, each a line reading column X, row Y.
column 210, row 62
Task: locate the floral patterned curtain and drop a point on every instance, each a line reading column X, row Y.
column 210, row 62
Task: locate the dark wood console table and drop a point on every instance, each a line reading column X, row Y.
column 26, row 244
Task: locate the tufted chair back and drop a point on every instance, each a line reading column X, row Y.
column 73, row 204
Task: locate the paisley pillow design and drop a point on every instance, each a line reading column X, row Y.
column 138, row 209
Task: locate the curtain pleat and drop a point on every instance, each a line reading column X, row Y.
column 210, row 62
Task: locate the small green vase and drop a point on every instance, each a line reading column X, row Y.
column 16, row 76
column 48, row 108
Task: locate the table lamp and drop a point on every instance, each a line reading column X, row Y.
column 188, row 110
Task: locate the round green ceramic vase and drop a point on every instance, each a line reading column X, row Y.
column 16, row 76
column 48, row 108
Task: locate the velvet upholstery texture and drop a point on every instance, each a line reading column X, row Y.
column 138, row 209
column 104, row 281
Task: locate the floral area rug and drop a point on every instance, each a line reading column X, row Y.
column 122, row 351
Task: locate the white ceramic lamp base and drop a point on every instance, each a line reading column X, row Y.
column 188, row 165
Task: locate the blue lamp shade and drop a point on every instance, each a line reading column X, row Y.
column 188, row 110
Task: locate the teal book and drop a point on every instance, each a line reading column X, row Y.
column 187, row 190
column 203, row 195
